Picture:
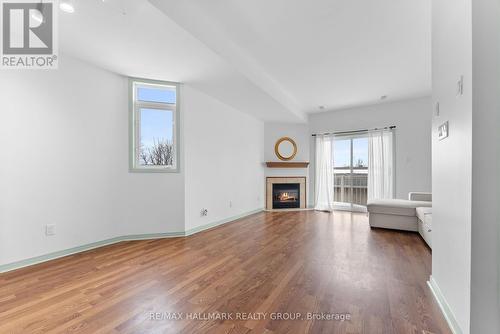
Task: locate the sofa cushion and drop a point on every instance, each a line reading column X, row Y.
column 400, row 207
column 424, row 214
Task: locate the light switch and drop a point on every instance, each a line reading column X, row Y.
column 443, row 131
column 460, row 86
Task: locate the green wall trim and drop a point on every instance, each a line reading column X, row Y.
column 56, row 255
column 153, row 236
column 62, row 253
column 220, row 222
column 443, row 305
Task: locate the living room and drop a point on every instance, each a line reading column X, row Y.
column 253, row 167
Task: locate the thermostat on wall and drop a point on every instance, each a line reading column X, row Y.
column 443, row 131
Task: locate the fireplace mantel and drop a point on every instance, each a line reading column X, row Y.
column 287, row 164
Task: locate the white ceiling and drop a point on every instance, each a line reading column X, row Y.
column 133, row 38
column 274, row 59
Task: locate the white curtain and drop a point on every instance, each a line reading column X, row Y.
column 380, row 164
column 324, row 173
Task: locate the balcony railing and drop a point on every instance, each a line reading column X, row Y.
column 351, row 188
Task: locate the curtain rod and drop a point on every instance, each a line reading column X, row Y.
column 354, row 131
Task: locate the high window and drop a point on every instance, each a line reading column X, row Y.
column 154, row 130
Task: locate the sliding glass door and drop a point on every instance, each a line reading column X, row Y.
column 350, row 168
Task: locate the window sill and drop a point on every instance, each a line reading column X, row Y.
column 153, row 170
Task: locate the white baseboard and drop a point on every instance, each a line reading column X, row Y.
column 55, row 255
column 443, row 305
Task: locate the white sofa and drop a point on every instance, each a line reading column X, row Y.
column 414, row 214
column 424, row 217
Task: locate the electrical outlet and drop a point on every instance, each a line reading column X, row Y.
column 230, row 204
column 204, row 212
column 50, row 229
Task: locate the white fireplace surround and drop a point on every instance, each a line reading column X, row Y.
column 301, row 180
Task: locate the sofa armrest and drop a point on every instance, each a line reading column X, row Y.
column 420, row 196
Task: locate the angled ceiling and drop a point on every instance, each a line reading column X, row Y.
column 334, row 53
column 133, row 38
column 276, row 60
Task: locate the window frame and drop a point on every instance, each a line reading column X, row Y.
column 341, row 205
column 135, row 107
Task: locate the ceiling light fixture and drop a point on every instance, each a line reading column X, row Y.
column 67, row 6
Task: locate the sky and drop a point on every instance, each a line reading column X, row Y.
column 342, row 151
column 156, row 95
column 156, row 124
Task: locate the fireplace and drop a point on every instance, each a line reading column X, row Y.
column 285, row 192
column 286, row 195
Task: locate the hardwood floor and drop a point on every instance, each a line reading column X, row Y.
column 264, row 265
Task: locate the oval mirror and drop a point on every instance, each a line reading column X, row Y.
column 285, row 148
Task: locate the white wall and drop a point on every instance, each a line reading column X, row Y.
column 412, row 119
column 485, row 236
column 223, row 159
column 466, row 41
column 300, row 134
column 65, row 162
column 451, row 158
